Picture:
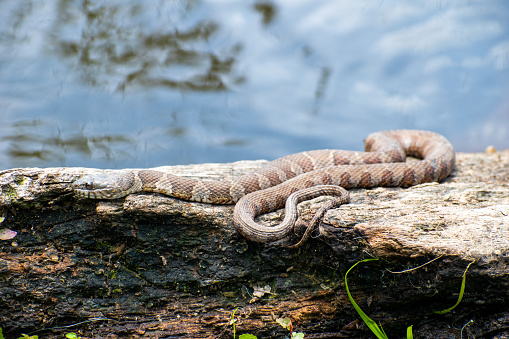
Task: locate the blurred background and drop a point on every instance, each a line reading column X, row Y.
column 135, row 83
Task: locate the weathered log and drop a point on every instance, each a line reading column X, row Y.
column 153, row 266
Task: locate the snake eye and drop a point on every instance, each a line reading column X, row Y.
column 89, row 186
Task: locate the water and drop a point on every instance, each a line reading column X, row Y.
column 113, row 84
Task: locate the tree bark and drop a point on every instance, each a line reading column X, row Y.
column 156, row 267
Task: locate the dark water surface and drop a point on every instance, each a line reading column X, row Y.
column 115, row 84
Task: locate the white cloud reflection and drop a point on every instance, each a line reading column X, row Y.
column 499, row 55
column 419, row 60
column 380, row 99
column 443, row 30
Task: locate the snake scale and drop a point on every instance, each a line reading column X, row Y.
column 293, row 178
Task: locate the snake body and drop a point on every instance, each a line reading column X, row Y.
column 295, row 178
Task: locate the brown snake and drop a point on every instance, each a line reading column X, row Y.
column 293, row 178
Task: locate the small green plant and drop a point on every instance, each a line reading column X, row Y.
column 1, row 334
column 462, row 290
column 377, row 330
column 72, row 335
column 242, row 336
column 287, row 323
column 26, row 336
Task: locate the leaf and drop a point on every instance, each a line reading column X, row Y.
column 462, row 290
column 369, row 322
column 247, row 336
column 299, row 335
column 6, row 234
column 286, row 323
column 1, row 334
column 71, row 335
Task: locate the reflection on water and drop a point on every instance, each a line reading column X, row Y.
column 320, row 88
column 31, row 139
column 113, row 46
column 267, row 10
column 132, row 83
column 118, row 43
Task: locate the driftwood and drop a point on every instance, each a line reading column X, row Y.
column 156, row 267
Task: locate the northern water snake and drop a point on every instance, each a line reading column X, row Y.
column 294, row 178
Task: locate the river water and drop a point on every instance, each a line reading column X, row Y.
column 135, row 83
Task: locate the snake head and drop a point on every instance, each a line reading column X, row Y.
column 110, row 185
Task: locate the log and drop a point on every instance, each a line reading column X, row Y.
column 151, row 266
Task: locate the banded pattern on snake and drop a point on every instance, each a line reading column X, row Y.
column 293, row 178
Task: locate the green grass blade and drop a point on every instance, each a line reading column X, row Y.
column 409, row 334
column 233, row 321
column 378, row 331
column 462, row 290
